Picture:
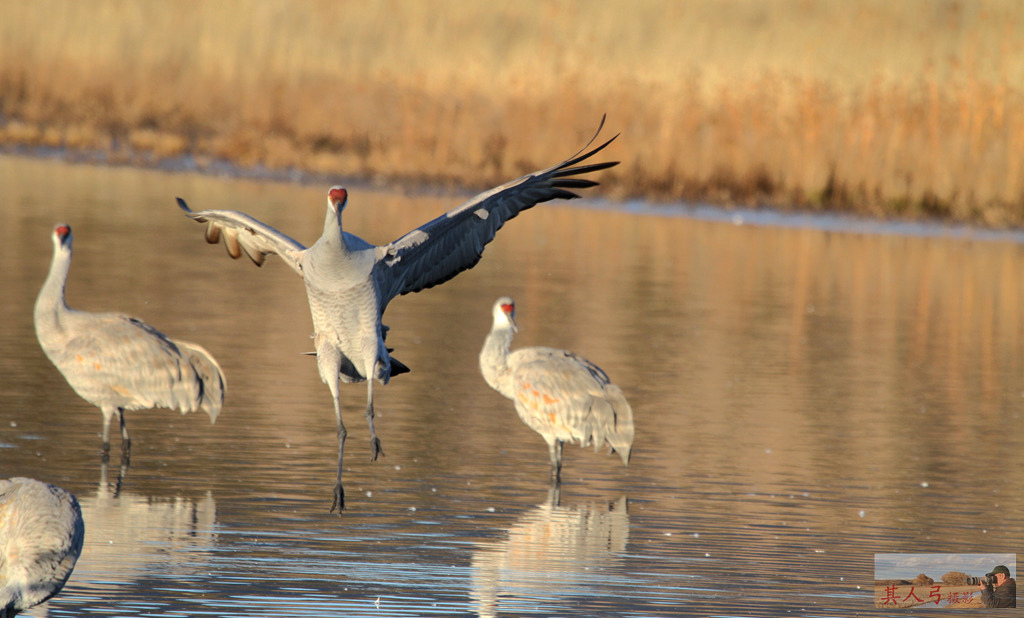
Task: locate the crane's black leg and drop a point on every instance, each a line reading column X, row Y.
column 328, row 361
column 555, row 451
column 126, row 442
column 105, row 453
column 375, row 448
column 339, row 491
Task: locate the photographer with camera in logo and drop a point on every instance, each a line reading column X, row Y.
column 998, row 589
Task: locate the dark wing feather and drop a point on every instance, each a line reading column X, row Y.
column 454, row 242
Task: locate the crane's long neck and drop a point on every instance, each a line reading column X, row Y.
column 50, row 305
column 331, row 253
column 332, row 227
column 494, row 359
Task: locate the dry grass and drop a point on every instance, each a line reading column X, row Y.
column 890, row 108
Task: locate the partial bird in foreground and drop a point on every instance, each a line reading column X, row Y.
column 349, row 282
column 41, row 536
column 561, row 396
column 119, row 363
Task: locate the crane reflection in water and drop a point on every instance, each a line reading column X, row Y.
column 549, row 551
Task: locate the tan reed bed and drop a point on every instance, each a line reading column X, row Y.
column 909, row 109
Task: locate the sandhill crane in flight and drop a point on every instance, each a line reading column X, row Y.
column 349, row 282
column 558, row 394
column 117, row 362
column 41, row 536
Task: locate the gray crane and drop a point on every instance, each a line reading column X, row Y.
column 117, row 362
column 558, row 394
column 349, row 282
column 41, row 536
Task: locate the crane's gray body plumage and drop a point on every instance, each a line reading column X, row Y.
column 349, row 282
column 117, row 362
column 561, row 396
column 41, row 536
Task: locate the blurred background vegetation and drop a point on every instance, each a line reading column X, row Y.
column 904, row 109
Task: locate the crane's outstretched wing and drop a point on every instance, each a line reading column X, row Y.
column 454, row 242
column 242, row 233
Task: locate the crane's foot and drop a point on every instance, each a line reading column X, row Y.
column 339, row 499
column 375, row 448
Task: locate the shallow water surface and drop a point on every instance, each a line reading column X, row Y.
column 804, row 398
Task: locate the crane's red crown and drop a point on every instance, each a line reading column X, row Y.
column 337, row 195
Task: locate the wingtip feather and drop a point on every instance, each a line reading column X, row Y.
column 257, row 257
column 212, row 233
column 575, row 183
column 231, row 243
column 562, row 194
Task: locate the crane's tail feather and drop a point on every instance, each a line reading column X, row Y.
column 211, row 378
column 620, row 429
column 398, row 367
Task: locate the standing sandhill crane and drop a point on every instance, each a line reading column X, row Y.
column 118, row 363
column 559, row 395
column 349, row 282
column 41, row 535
